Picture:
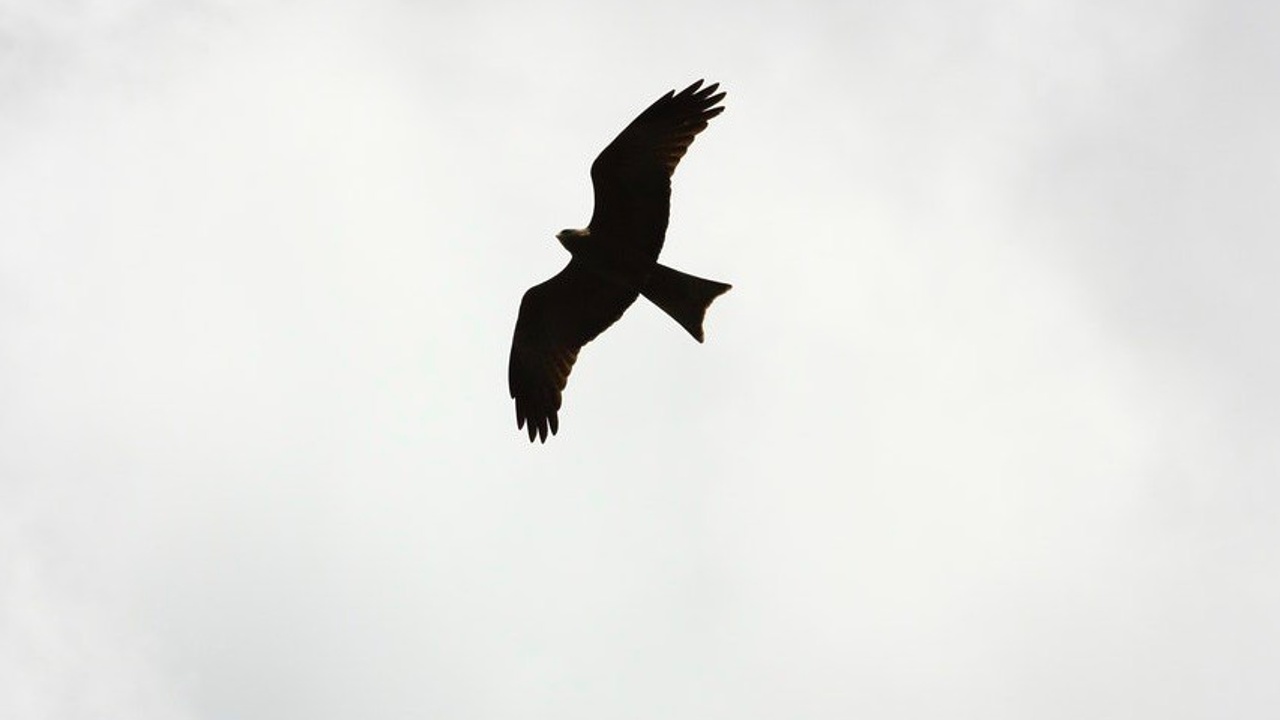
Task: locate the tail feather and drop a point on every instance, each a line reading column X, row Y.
column 684, row 297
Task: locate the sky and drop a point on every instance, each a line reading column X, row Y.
column 985, row 428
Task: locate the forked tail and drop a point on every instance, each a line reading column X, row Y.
column 684, row 297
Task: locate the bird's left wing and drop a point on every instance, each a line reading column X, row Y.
column 556, row 319
column 632, row 175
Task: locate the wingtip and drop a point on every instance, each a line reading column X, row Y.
column 692, row 88
column 538, row 429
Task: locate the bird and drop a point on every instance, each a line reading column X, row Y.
column 614, row 259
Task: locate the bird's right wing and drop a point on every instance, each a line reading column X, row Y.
column 556, row 319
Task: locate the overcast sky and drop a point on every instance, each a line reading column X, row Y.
column 985, row 429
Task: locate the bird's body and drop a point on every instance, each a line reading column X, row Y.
column 614, row 260
column 611, row 261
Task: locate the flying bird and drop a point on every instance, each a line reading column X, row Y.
column 614, row 259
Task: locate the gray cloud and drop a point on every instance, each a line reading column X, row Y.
column 980, row 432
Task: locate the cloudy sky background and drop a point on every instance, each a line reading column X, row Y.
column 986, row 428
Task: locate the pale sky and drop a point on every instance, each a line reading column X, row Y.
column 985, row 429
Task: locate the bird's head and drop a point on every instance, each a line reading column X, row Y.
column 571, row 239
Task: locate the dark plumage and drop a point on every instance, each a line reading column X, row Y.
column 615, row 259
